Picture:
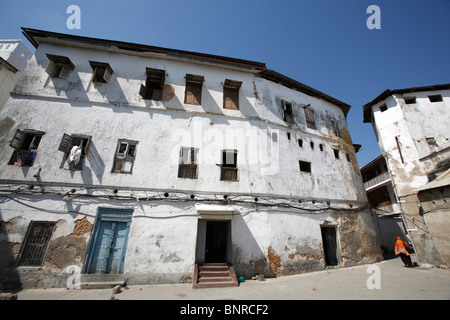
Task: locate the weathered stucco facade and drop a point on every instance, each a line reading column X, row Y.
column 411, row 126
column 259, row 176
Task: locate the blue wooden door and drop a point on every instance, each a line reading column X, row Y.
column 108, row 244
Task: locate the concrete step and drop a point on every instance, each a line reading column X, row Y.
column 100, row 285
column 225, row 273
column 214, row 279
column 214, row 275
column 101, row 281
column 215, row 284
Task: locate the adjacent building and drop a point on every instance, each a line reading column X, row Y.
column 141, row 161
column 383, row 203
column 411, row 127
column 14, row 56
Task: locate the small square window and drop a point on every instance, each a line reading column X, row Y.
column 383, row 108
column 154, row 84
column 435, row 98
column 102, row 72
column 410, row 100
column 305, row 166
column 59, row 66
column 336, row 153
column 348, row 157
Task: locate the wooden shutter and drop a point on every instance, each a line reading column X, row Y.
column 107, row 74
column 65, row 143
column 143, row 91
column 17, row 139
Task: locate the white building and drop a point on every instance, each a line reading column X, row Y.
column 411, row 126
column 14, row 56
column 179, row 158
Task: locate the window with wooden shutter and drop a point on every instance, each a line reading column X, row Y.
column 309, row 115
column 25, row 144
column 188, row 163
column 231, row 94
column 193, row 91
column 288, row 114
column 229, row 170
column 154, row 85
column 102, row 72
column 59, row 66
column 67, row 144
column 125, row 156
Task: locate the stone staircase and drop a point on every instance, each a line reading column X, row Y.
column 214, row 275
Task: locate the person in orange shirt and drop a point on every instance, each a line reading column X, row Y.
column 401, row 250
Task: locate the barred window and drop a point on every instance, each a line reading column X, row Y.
column 34, row 247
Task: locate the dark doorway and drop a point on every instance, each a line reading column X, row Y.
column 217, row 241
column 329, row 245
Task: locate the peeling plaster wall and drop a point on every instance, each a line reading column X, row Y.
column 274, row 241
column 162, row 238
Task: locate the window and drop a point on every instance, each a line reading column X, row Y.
column 75, row 148
column 309, row 115
column 188, row 163
column 311, row 144
column 305, row 166
column 25, row 144
column 337, row 132
column 231, row 94
column 410, row 100
column 336, row 153
column 435, row 98
column 102, row 72
column 125, row 155
column 288, row 135
column 383, row 108
column 300, row 143
column 59, row 67
column 321, row 147
column 288, row 115
column 229, row 171
column 34, row 247
column 193, row 93
column 348, row 157
column 154, row 84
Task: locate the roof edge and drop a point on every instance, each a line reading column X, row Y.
column 34, row 36
column 388, row 92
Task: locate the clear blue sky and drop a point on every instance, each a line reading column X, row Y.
column 324, row 44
